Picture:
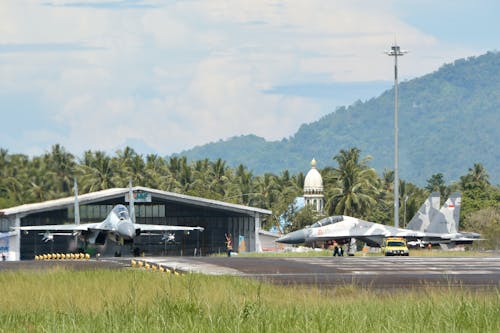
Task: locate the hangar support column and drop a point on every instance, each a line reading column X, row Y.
column 14, row 238
column 16, row 241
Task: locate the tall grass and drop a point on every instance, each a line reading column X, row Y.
column 137, row 301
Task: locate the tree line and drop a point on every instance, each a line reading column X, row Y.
column 351, row 186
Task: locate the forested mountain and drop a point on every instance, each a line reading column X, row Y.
column 448, row 120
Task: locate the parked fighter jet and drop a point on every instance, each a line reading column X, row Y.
column 119, row 226
column 435, row 228
column 342, row 228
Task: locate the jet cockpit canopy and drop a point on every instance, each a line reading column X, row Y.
column 122, row 212
column 328, row 220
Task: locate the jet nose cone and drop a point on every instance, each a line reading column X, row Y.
column 294, row 237
column 126, row 230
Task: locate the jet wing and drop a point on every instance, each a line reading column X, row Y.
column 161, row 228
column 449, row 239
column 61, row 227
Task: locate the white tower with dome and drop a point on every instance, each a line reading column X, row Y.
column 313, row 188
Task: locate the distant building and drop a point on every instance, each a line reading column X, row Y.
column 267, row 241
column 152, row 206
column 313, row 188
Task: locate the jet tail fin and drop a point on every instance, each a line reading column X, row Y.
column 131, row 201
column 446, row 220
column 425, row 214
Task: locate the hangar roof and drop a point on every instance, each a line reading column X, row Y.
column 118, row 192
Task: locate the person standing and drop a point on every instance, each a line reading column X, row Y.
column 336, row 249
column 229, row 244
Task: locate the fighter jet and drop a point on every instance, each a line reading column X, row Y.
column 342, row 228
column 435, row 228
column 119, row 226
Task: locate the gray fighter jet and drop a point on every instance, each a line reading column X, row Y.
column 119, row 226
column 342, row 228
column 428, row 227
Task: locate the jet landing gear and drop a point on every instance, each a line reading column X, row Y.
column 128, row 246
column 134, row 250
column 118, row 250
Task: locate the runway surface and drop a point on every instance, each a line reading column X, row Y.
column 373, row 272
column 380, row 272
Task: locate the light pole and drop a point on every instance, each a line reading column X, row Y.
column 395, row 52
column 404, row 214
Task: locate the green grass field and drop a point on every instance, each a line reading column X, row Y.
column 134, row 300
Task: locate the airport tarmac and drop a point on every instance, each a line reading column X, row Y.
column 379, row 272
column 373, row 272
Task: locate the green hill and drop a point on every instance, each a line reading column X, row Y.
column 448, row 120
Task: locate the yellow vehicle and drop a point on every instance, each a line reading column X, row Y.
column 395, row 246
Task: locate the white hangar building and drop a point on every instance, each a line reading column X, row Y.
column 152, row 207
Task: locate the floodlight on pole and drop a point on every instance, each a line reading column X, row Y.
column 396, row 52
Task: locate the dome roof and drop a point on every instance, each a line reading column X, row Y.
column 313, row 181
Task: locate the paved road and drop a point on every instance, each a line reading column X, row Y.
column 376, row 272
column 381, row 272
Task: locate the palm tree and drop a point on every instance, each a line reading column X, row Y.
column 14, row 180
column 437, row 184
column 136, row 170
column 287, row 187
column 354, row 185
column 174, row 165
column 267, row 188
column 61, row 168
column 41, row 187
column 4, row 160
column 299, row 179
column 477, row 177
column 14, row 191
column 282, row 205
column 157, row 175
column 219, row 175
column 128, row 166
column 185, row 175
column 240, row 189
column 97, row 172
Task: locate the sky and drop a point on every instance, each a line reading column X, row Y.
column 165, row 76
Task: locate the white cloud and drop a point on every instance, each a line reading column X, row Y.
column 186, row 73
